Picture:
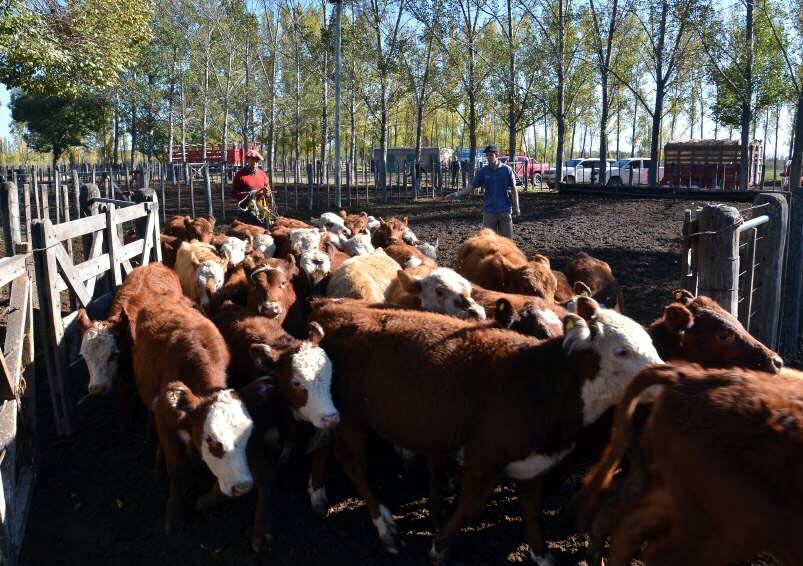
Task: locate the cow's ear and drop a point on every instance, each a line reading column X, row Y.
column 587, row 308
column 682, row 296
column 678, row 318
column 125, row 328
column 315, row 333
column 178, row 397
column 581, row 289
column 291, row 261
column 408, row 283
column 188, row 223
column 382, row 220
column 263, row 355
column 212, row 220
column 248, row 265
column 342, row 214
column 404, row 221
column 83, row 321
column 576, row 333
column 540, row 258
column 364, row 214
column 504, row 313
column 257, row 392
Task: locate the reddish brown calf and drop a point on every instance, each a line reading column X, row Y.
column 357, row 223
column 597, row 275
column 724, row 451
column 496, row 263
column 521, row 403
column 390, row 231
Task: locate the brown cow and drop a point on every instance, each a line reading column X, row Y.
column 180, row 361
column 409, row 256
column 724, row 454
column 699, row 330
column 520, row 405
column 105, row 344
column 186, row 228
column 563, row 292
column 436, row 290
column 170, row 245
column 301, row 373
column 289, row 223
column 547, row 316
column 597, row 275
column 243, row 230
column 692, row 330
column 495, row 262
column 264, row 286
column 390, row 231
column 357, row 223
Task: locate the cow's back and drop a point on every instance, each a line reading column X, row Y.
column 390, row 362
column 485, row 258
column 364, row 277
column 144, row 284
column 175, row 341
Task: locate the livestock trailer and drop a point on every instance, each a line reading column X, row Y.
column 214, row 153
column 400, row 158
column 710, row 164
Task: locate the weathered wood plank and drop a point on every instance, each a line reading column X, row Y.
column 770, row 255
column 79, row 227
column 131, row 213
column 113, row 244
column 87, row 270
column 718, row 255
column 11, row 268
column 16, row 329
column 70, row 276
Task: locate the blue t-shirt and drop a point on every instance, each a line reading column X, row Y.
column 497, row 184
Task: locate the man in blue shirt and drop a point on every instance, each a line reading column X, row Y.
column 501, row 198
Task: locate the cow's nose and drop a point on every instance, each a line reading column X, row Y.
column 271, row 309
column 97, row 389
column 241, row 488
column 777, row 363
column 393, row 240
column 328, row 421
column 318, row 262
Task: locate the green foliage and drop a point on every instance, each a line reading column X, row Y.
column 69, row 48
column 57, row 124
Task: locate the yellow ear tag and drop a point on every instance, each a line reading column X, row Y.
column 569, row 324
column 172, row 397
column 501, row 307
column 678, row 295
column 584, row 294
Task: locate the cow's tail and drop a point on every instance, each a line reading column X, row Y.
column 598, row 480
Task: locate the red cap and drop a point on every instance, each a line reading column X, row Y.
column 253, row 153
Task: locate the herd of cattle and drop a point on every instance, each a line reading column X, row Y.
column 348, row 323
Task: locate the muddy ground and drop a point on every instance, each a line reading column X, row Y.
column 97, row 501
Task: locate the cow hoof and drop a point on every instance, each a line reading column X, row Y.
column 543, row 559
column 318, row 499
column 386, row 529
column 262, row 543
column 437, row 557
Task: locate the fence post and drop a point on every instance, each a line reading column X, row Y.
column 192, row 191
column 771, row 258
column 718, row 253
column 208, row 190
column 223, row 189
column 309, row 186
column 10, row 212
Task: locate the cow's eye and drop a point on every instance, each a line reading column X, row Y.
column 622, row 353
column 112, row 356
column 215, row 447
column 725, row 335
column 283, row 283
column 439, row 291
column 296, row 383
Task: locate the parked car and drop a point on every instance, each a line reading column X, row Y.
column 631, row 172
column 578, row 171
column 524, row 166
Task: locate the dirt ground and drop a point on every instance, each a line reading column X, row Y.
column 97, row 501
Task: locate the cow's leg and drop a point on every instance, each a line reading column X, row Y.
column 350, row 452
column 438, row 469
column 317, row 479
column 478, row 483
column 649, row 518
column 210, row 498
column 616, row 502
column 177, row 471
column 263, row 468
column 529, row 495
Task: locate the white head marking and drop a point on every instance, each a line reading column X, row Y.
column 229, row 424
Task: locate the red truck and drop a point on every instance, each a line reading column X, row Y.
column 524, row 166
column 214, row 153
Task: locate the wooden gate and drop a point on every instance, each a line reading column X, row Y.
column 57, row 273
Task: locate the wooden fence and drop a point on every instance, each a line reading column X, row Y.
column 17, row 376
column 737, row 258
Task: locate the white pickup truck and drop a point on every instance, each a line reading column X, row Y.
column 631, row 172
column 627, row 172
column 579, row 171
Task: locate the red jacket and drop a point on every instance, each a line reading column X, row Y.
column 246, row 181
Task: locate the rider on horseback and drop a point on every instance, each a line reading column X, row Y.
column 251, row 190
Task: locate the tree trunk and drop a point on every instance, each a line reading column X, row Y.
column 297, row 121
column 747, row 99
column 618, row 128
column 170, row 102
column 116, row 150
column 183, row 125
column 560, row 114
column 511, row 122
column 324, row 105
column 134, row 133
column 635, row 125
column 272, row 104
column 225, row 152
column 382, row 163
column 205, row 95
column 658, row 110
column 247, row 134
column 419, row 118
column 775, row 145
